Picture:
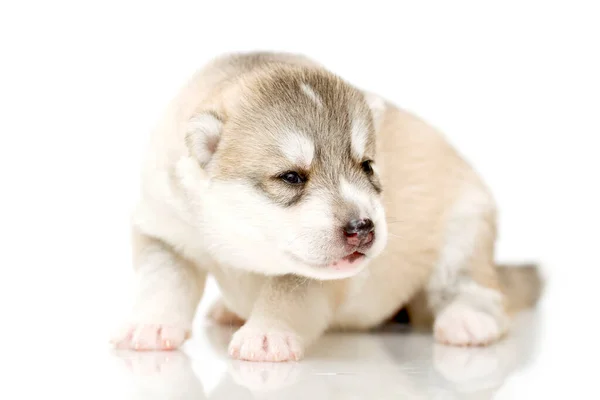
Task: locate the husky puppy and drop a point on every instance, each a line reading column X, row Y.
column 315, row 206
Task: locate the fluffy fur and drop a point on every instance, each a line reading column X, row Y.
column 218, row 199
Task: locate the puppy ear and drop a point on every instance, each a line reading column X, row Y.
column 377, row 106
column 202, row 135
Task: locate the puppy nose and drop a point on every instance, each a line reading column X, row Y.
column 359, row 228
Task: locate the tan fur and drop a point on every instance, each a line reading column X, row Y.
column 521, row 284
column 441, row 219
column 222, row 315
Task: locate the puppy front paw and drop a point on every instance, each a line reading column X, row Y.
column 462, row 325
column 257, row 343
column 150, row 337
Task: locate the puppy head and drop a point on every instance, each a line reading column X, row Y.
column 291, row 180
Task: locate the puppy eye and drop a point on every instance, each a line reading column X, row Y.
column 367, row 167
column 292, row 178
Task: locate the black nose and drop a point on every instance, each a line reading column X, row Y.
column 360, row 227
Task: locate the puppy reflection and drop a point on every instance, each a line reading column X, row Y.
column 161, row 375
column 485, row 369
column 382, row 365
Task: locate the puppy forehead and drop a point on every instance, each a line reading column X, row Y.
column 297, row 147
column 298, row 94
column 305, row 117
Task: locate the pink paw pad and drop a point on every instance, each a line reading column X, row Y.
column 147, row 337
column 251, row 345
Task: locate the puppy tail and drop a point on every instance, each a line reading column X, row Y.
column 522, row 285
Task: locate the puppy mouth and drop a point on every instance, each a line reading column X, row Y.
column 348, row 261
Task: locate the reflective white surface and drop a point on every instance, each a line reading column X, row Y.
column 551, row 351
column 385, row 365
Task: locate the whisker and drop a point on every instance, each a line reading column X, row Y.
column 298, row 237
column 299, row 284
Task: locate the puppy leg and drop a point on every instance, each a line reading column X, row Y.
column 168, row 291
column 463, row 292
column 290, row 313
column 474, row 317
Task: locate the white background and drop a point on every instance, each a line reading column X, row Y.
column 514, row 85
